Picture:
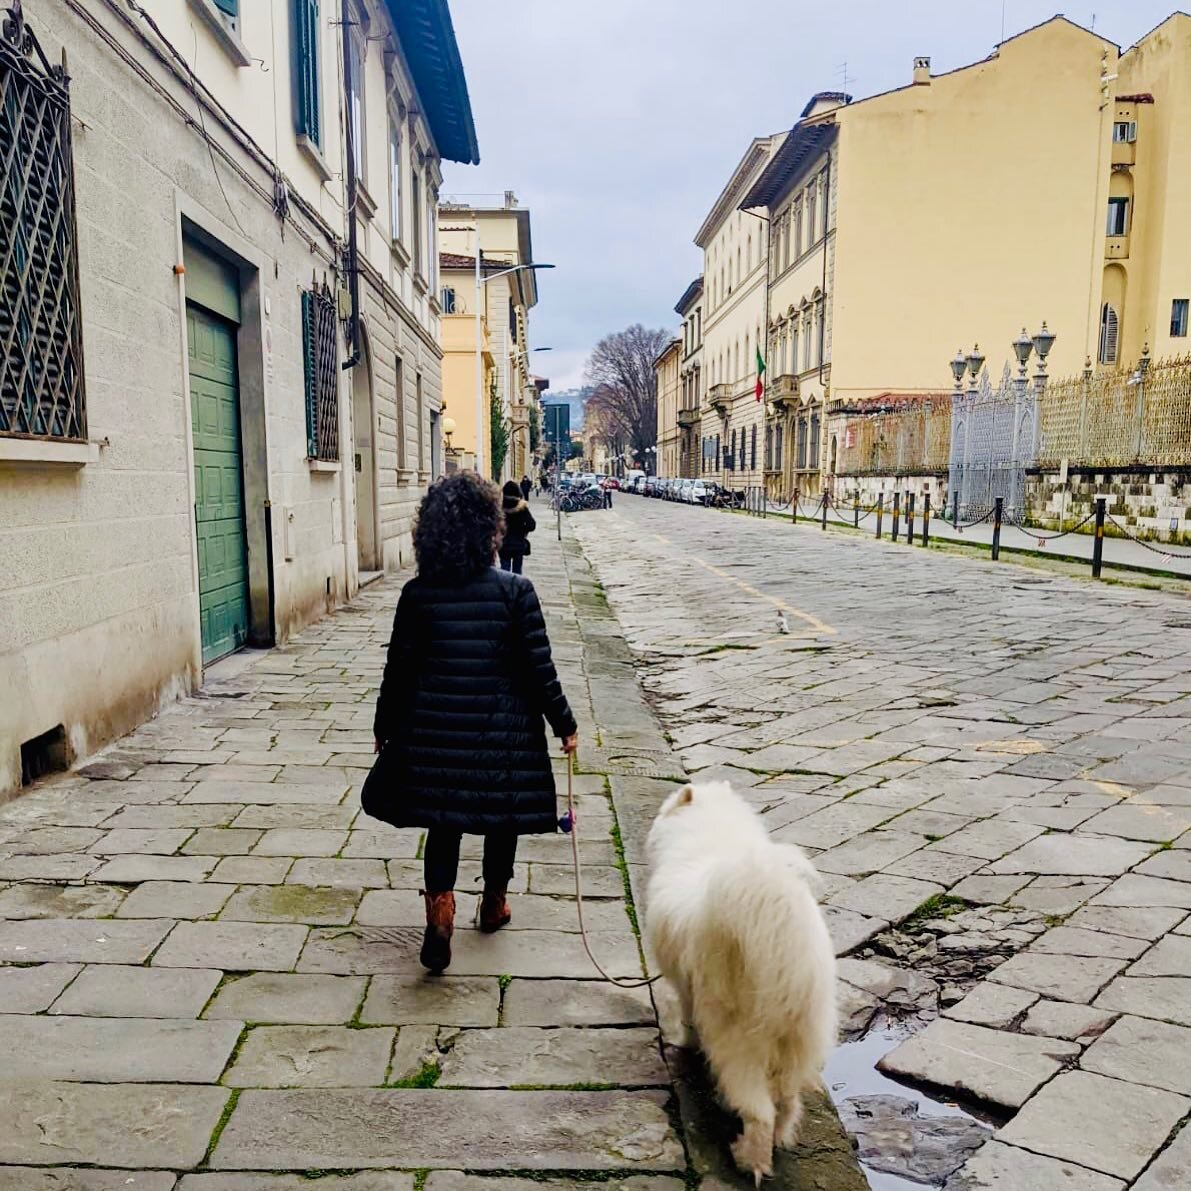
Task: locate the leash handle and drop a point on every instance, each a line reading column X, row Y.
column 620, row 982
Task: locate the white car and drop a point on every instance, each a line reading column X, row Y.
column 697, row 493
column 683, row 493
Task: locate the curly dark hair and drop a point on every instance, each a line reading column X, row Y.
column 459, row 528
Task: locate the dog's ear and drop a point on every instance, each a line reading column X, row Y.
column 686, row 795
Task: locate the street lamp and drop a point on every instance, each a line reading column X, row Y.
column 1023, row 345
column 975, row 362
column 481, row 281
column 1044, row 340
column 958, row 367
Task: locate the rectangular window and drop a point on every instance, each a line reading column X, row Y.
column 1118, row 217
column 394, row 176
column 320, row 349
column 448, row 300
column 419, row 414
column 41, row 361
column 777, row 448
column 1178, row 318
column 797, row 230
column 416, row 192
column 1124, row 132
column 307, row 121
column 356, row 104
column 432, row 239
column 399, row 391
column 810, row 216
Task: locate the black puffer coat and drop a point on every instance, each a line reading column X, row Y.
column 468, row 682
column 519, row 524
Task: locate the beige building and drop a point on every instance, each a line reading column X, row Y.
column 735, row 246
column 508, row 292
column 911, row 223
column 668, row 378
column 691, row 388
column 196, row 470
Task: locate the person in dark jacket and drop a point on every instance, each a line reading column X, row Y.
column 526, row 487
column 468, row 687
column 519, row 524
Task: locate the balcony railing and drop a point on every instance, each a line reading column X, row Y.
column 688, row 417
column 783, row 390
column 720, row 397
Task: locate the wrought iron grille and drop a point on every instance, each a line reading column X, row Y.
column 913, row 440
column 321, row 346
column 1120, row 418
column 41, row 337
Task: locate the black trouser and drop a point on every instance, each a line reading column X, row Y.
column 511, row 563
column 441, row 859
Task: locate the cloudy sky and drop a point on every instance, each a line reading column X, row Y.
column 617, row 122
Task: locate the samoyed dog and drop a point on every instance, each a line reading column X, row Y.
column 733, row 922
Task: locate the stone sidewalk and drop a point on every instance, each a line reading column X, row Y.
column 208, row 955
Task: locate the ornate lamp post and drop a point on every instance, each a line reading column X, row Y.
column 1044, row 340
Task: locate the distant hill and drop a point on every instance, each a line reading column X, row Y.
column 575, row 398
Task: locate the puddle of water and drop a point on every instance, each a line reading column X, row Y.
column 852, row 1071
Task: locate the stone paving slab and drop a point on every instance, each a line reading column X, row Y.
column 1111, row 1126
column 292, row 903
column 175, row 899
column 446, row 1001
column 312, row 1057
column 994, row 1066
column 233, row 946
column 61, row 901
column 138, row 1126
column 520, row 1056
column 999, row 1167
column 574, row 1003
column 1141, row 1051
column 1060, row 977
column 34, row 989
column 115, row 1050
column 24, row 1178
column 114, row 990
column 288, row 998
column 81, row 941
column 481, row 1130
column 1171, row 1170
column 373, row 1180
column 396, row 907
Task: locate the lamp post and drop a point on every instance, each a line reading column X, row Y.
column 481, row 281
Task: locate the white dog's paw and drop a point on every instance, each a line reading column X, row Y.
column 753, row 1152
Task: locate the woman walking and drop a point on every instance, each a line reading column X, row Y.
column 519, row 524
column 459, row 726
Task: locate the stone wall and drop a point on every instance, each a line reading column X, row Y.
column 843, row 489
column 1153, row 505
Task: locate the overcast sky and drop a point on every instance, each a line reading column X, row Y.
column 618, row 122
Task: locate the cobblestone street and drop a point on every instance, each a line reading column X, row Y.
column 995, row 763
column 209, row 957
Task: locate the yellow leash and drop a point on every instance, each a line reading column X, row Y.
column 620, row 982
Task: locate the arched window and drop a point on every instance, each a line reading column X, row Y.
column 1109, row 326
column 814, row 452
column 777, row 447
column 800, row 459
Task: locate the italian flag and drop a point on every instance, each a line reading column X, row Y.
column 760, row 387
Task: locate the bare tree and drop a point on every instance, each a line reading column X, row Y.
column 626, row 399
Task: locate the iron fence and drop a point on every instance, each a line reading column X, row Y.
column 913, row 440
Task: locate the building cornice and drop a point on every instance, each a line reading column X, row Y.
column 754, row 158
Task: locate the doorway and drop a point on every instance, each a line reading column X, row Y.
column 364, row 431
column 218, row 483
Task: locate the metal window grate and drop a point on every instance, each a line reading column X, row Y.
column 321, row 350
column 41, row 340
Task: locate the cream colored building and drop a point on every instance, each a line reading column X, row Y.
column 1048, row 181
column 508, row 294
column 667, row 370
column 735, row 247
column 207, row 474
column 691, row 393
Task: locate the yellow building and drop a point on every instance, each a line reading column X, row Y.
column 667, row 371
column 735, row 247
column 508, row 291
column 1047, row 182
column 459, row 370
column 691, row 389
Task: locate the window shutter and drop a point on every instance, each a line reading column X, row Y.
column 308, row 370
column 306, row 94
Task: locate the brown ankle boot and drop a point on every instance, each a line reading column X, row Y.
column 494, row 910
column 440, row 926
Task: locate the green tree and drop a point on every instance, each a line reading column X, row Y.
column 535, row 428
column 498, row 435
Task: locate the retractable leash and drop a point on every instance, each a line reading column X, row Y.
column 570, row 824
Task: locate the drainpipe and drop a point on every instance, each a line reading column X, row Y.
column 352, row 258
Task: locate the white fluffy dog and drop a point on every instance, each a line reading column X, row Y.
column 734, row 925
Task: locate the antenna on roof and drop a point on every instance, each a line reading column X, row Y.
column 845, row 78
column 1003, row 3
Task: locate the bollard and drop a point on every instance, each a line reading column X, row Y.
column 856, row 509
column 955, row 510
column 880, row 512
column 824, row 512
column 926, row 518
column 996, row 542
column 794, row 506
column 1098, row 543
column 765, row 504
column 897, row 513
column 909, row 518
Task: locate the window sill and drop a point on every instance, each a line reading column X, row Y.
column 314, row 155
column 325, row 466
column 420, row 284
column 365, row 203
column 224, row 33
column 400, row 253
column 42, row 452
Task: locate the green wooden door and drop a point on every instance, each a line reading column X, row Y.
column 218, row 484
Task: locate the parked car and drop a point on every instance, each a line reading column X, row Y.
column 611, row 482
column 697, row 493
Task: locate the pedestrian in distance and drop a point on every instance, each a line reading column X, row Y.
column 526, row 487
column 607, row 490
column 519, row 524
column 468, row 687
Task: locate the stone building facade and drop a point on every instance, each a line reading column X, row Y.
column 224, row 479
